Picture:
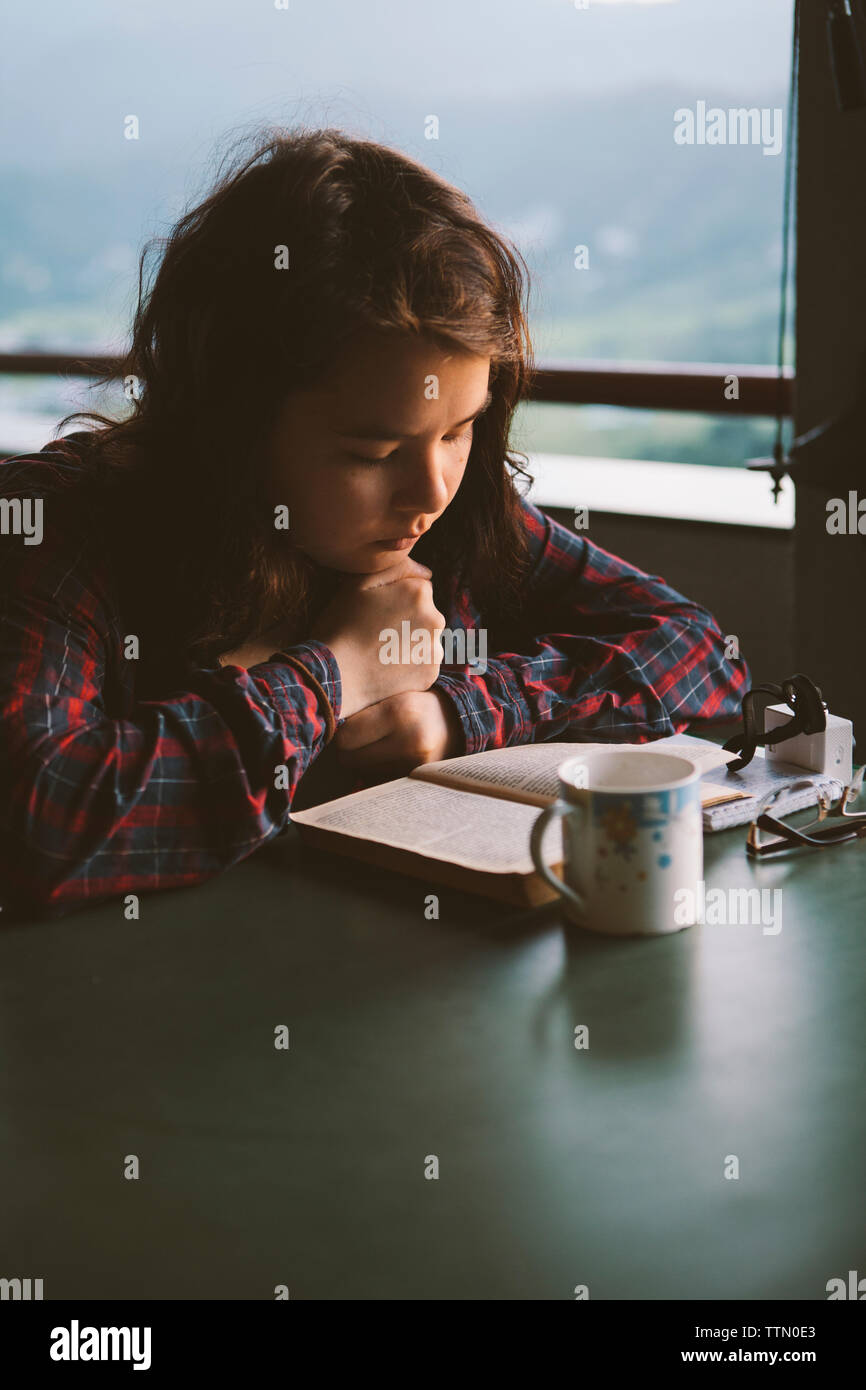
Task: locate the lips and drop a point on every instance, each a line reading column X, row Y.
column 401, row 543
column 406, row 536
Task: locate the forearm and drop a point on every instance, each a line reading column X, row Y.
column 179, row 791
column 592, row 689
column 621, row 655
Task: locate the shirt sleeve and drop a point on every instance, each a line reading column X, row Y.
column 93, row 806
column 602, row 651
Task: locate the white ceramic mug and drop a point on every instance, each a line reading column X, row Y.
column 632, row 835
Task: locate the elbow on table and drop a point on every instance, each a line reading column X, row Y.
column 25, row 893
column 727, row 675
column 33, row 883
column 42, row 855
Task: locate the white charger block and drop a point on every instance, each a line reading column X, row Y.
column 831, row 752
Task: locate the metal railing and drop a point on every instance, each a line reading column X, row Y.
column 690, row 386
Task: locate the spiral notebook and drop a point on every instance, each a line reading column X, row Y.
column 740, row 792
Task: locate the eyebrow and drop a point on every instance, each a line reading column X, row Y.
column 384, row 433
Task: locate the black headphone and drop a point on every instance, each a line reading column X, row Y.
column 804, row 699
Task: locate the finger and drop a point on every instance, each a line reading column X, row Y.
column 406, row 569
column 392, row 749
column 415, row 567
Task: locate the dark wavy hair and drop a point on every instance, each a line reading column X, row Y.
column 221, row 337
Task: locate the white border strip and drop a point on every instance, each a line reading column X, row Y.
column 643, row 487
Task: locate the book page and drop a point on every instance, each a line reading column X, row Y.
column 478, row 832
column 527, row 772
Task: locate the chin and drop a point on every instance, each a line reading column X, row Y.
column 366, row 560
column 375, row 562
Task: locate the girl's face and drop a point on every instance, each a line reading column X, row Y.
column 367, row 462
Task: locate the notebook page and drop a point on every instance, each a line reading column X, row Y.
column 761, row 777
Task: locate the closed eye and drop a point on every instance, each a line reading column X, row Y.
column 448, row 438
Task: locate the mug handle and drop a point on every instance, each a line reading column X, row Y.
column 554, row 812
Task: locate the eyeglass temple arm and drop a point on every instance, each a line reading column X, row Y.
column 830, row 835
column 851, row 793
column 791, row 836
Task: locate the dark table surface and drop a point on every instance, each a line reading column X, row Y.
column 454, row 1037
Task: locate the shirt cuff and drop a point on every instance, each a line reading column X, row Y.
column 478, row 718
column 318, row 663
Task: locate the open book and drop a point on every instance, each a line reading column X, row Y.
column 466, row 821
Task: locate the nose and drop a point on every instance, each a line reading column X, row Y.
column 423, row 485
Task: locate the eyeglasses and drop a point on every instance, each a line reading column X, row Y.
column 847, row 825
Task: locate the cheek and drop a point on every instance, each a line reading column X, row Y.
column 350, row 496
column 459, row 469
column 335, row 504
column 455, row 474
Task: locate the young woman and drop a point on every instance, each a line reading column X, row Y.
column 323, row 373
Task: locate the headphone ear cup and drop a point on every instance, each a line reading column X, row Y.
column 808, row 716
column 805, row 699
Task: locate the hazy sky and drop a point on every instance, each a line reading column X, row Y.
column 190, row 69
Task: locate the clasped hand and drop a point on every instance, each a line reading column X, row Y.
column 393, row 719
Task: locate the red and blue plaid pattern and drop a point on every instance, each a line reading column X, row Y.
column 614, row 655
column 103, row 793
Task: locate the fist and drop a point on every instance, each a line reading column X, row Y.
column 388, row 739
column 364, row 607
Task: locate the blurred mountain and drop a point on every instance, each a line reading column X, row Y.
column 684, row 243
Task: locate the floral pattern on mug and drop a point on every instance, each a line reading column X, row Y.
column 620, row 827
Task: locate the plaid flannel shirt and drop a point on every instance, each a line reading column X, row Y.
column 103, row 793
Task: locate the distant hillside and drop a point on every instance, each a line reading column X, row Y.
column 684, row 242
